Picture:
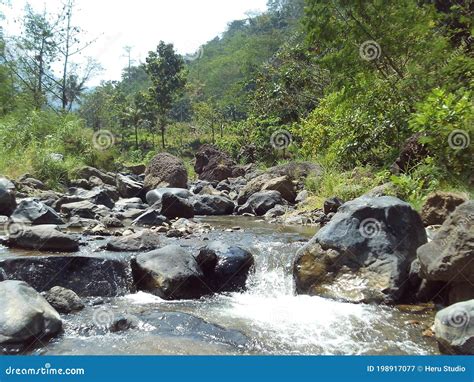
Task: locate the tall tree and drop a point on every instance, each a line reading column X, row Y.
column 31, row 55
column 165, row 69
column 73, row 79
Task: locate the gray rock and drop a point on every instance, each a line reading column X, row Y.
column 450, row 255
column 155, row 196
column 454, row 328
column 127, row 187
column 363, row 254
column 284, row 185
column 301, row 197
column 33, row 183
column 261, row 202
column 88, row 172
column 137, row 242
column 33, row 212
column 170, row 272
column 86, row 276
column 225, row 267
column 212, row 205
column 25, row 317
column 7, row 197
column 173, row 206
column 43, row 238
column 63, row 300
column 83, row 209
column 150, row 218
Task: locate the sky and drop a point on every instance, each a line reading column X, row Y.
column 141, row 24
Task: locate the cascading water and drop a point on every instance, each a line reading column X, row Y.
column 268, row 313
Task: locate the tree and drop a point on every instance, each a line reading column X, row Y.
column 31, row 55
column 208, row 115
column 165, row 69
column 72, row 79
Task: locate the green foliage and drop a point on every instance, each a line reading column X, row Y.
column 345, row 185
column 446, row 121
column 367, row 129
column 165, row 69
column 28, row 140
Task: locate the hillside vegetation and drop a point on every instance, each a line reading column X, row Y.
column 341, row 83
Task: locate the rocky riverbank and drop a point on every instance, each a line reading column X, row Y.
column 372, row 250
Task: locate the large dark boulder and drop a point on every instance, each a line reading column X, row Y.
column 154, row 196
column 449, row 257
column 26, row 317
column 30, row 211
column 438, row 206
column 212, row 205
column 166, row 170
column 261, row 202
column 128, row 187
column 412, row 153
column 86, row 276
column 171, row 272
column 173, row 206
column 42, row 238
column 225, row 267
column 7, row 197
column 454, row 329
column 213, row 164
column 363, row 254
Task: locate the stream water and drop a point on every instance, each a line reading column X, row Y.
column 268, row 318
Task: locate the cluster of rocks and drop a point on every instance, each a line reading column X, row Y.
column 35, row 289
column 376, row 250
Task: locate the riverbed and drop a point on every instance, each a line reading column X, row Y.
column 266, row 318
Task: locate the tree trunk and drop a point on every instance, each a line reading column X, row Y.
column 136, row 136
column 163, row 135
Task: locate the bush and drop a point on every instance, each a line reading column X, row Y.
column 446, row 121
